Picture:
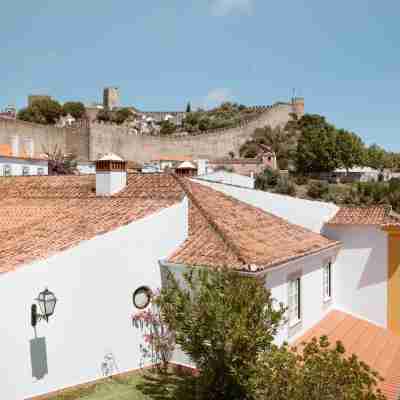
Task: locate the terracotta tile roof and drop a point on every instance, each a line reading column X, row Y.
column 375, row 215
column 225, row 231
column 376, row 346
column 46, row 214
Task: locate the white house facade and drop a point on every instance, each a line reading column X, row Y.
column 18, row 166
column 94, row 241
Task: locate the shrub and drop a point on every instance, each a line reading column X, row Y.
column 301, row 180
column 268, row 179
column 285, row 186
column 318, row 190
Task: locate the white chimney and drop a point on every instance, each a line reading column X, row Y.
column 202, row 167
column 110, row 175
column 15, row 146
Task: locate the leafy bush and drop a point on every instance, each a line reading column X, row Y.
column 75, row 108
column 122, row 115
column 268, row 179
column 285, row 186
column 318, row 190
column 167, row 128
column 301, row 180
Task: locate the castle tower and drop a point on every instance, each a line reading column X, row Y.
column 298, row 106
column 111, row 98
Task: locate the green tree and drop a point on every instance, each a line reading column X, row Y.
column 42, row 111
column 316, row 146
column 104, row 116
column 167, row 128
column 122, row 115
column 350, row 149
column 222, row 328
column 75, row 108
column 226, row 323
column 316, row 371
column 375, row 157
column 188, row 107
column 280, row 141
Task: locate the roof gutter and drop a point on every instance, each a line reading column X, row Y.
column 329, row 252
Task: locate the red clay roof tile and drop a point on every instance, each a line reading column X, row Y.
column 372, row 215
column 252, row 238
column 45, row 214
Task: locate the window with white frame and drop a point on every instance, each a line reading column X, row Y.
column 327, row 282
column 294, row 301
column 40, row 171
column 7, row 170
column 25, row 170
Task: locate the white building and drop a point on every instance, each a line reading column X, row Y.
column 18, row 159
column 95, row 240
column 86, row 167
column 19, row 166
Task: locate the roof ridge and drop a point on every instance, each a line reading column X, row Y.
column 210, row 220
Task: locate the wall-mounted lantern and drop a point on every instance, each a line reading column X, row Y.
column 47, row 302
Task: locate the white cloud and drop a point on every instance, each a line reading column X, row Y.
column 217, row 96
column 225, row 7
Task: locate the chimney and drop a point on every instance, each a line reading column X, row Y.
column 110, row 175
column 15, row 146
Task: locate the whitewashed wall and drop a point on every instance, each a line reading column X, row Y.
column 229, row 178
column 86, row 168
column 360, row 276
column 94, row 283
column 277, row 280
column 313, row 307
column 309, row 214
column 18, row 165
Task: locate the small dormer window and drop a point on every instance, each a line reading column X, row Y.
column 25, row 170
column 7, row 170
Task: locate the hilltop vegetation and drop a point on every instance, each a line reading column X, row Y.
column 313, row 145
column 227, row 115
column 309, row 146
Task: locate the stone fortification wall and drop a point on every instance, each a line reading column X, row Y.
column 43, row 136
column 77, row 140
column 46, row 138
column 213, row 144
column 89, row 142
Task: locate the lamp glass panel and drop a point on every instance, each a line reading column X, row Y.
column 41, row 301
column 50, row 304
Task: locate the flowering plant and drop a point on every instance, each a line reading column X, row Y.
column 159, row 341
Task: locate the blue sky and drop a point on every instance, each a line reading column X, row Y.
column 342, row 56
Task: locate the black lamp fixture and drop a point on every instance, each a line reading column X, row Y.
column 47, row 302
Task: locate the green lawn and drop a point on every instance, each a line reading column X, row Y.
column 138, row 386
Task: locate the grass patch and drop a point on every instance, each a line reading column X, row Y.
column 146, row 385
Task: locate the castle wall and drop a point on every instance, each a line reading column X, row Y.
column 44, row 137
column 106, row 138
column 89, row 142
column 47, row 138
